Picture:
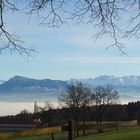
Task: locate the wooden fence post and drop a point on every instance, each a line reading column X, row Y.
column 70, row 130
column 84, row 132
column 52, row 136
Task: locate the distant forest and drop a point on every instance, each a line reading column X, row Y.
column 119, row 112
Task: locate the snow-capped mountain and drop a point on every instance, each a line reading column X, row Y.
column 112, row 80
column 23, row 84
column 122, row 84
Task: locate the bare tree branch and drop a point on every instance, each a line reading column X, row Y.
column 11, row 41
column 50, row 12
column 106, row 16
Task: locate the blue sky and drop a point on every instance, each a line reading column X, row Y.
column 66, row 52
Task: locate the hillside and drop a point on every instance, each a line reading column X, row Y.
column 23, row 84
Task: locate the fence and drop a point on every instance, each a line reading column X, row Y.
column 29, row 133
column 69, row 127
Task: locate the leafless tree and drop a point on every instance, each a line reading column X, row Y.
column 47, row 106
column 115, row 18
column 102, row 97
column 76, row 97
column 24, row 111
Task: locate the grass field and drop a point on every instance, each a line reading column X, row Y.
column 132, row 133
column 58, row 136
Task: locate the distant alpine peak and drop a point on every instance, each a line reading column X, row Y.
column 17, row 77
column 106, row 76
column 112, row 80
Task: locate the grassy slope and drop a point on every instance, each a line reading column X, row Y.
column 123, row 134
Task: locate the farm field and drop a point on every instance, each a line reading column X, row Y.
column 122, row 134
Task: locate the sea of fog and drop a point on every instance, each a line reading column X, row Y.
column 14, row 103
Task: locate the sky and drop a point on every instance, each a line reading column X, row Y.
column 66, row 53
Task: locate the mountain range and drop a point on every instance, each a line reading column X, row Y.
column 23, row 84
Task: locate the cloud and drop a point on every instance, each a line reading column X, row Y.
column 99, row 60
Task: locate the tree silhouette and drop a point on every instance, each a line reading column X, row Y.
column 76, row 97
column 103, row 96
